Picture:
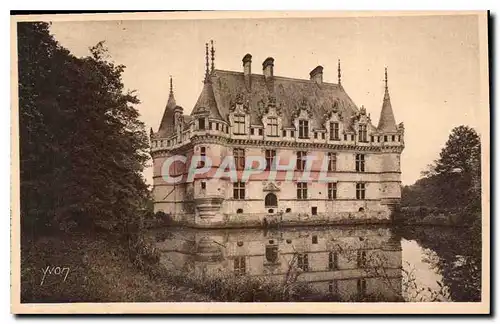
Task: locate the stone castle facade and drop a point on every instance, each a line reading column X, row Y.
column 243, row 114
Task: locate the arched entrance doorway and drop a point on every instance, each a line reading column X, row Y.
column 271, row 201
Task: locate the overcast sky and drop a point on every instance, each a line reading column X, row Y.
column 433, row 64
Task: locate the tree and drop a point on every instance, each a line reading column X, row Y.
column 82, row 146
column 462, row 152
column 454, row 180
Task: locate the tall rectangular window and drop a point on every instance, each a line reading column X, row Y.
column 239, row 124
column 239, row 158
column 301, row 190
column 332, row 190
column 239, row 266
column 360, row 162
column 333, row 261
column 303, row 128
column 270, row 156
column 332, row 161
column 239, row 190
column 360, row 190
column 362, row 133
column 201, row 123
column 303, row 262
column 301, row 161
column 334, row 131
column 272, row 126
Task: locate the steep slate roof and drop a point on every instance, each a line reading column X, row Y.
column 225, row 86
column 206, row 100
column 386, row 122
column 167, row 122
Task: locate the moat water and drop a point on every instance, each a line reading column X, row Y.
column 338, row 263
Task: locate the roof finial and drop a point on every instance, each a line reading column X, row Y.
column 171, row 85
column 212, row 51
column 206, row 62
column 339, row 74
column 385, row 81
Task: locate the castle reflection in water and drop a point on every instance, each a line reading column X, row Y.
column 344, row 261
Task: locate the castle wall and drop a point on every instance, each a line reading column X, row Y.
column 292, row 122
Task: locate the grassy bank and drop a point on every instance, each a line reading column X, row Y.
column 99, row 270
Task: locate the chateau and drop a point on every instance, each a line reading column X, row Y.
column 286, row 121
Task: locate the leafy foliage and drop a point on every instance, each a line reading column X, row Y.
column 82, row 147
column 454, row 181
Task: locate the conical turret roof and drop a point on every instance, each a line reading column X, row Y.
column 386, row 122
column 206, row 100
column 167, row 122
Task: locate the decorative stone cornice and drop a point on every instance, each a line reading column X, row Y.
column 215, row 139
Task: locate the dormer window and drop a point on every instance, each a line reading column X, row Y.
column 303, row 128
column 362, row 133
column 201, row 123
column 272, row 126
column 239, row 125
column 334, row 131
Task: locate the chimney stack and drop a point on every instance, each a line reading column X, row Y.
column 247, row 70
column 267, row 67
column 316, row 74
